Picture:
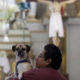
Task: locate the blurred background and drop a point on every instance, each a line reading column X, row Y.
column 27, row 22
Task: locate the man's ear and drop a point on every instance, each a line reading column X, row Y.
column 13, row 48
column 48, row 61
column 28, row 48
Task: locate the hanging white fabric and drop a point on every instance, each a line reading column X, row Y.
column 4, row 62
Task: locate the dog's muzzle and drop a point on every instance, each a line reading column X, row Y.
column 21, row 53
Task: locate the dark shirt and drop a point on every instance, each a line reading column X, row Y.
column 42, row 74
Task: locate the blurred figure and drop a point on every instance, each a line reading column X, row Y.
column 4, row 62
column 56, row 30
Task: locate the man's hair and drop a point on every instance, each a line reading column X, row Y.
column 53, row 53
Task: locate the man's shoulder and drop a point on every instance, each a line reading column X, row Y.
column 29, row 72
column 30, row 75
column 47, row 73
column 40, row 70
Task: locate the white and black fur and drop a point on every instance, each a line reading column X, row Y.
column 22, row 60
column 21, row 51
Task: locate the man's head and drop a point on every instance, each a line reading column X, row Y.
column 21, row 50
column 49, row 57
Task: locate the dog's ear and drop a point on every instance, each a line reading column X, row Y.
column 28, row 48
column 13, row 47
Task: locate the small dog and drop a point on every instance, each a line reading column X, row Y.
column 21, row 51
column 22, row 60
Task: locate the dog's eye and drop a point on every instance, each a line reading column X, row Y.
column 23, row 49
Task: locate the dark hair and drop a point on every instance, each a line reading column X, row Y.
column 53, row 53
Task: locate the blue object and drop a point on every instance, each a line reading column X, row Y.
column 24, row 5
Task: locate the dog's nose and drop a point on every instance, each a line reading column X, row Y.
column 20, row 53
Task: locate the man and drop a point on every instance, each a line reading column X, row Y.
column 48, row 63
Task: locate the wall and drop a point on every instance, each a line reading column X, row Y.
column 39, row 39
column 73, row 48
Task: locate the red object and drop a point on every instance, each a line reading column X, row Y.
column 42, row 74
column 62, row 11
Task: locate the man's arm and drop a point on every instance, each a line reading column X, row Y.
column 67, row 2
column 44, row 1
column 27, row 76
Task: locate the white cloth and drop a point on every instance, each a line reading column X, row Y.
column 56, row 25
column 7, row 7
column 11, row 1
column 23, row 0
column 32, row 11
column 4, row 62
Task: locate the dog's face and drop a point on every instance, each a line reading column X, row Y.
column 21, row 50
